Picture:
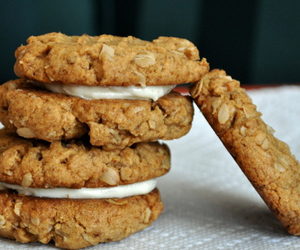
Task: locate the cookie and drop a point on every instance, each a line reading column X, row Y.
column 265, row 160
column 111, row 123
column 108, row 60
column 76, row 164
column 74, row 224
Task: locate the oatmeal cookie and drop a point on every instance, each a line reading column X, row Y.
column 35, row 113
column 265, row 160
column 108, row 60
column 74, row 224
column 76, row 164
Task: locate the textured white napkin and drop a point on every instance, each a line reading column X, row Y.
column 209, row 203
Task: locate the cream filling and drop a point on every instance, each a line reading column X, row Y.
column 110, row 92
column 121, row 191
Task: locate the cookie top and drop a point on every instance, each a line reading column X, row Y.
column 76, row 164
column 36, row 113
column 108, row 60
column 74, row 224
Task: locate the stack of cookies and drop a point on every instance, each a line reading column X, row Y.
column 79, row 155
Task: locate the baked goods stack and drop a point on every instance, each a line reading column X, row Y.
column 79, row 154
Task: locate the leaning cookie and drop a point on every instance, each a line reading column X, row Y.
column 75, row 164
column 75, row 223
column 265, row 160
column 108, row 60
column 113, row 123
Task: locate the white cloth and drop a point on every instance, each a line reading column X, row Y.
column 209, row 203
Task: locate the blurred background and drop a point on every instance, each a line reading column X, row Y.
column 256, row 41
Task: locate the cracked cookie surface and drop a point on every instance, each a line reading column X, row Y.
column 35, row 113
column 108, row 60
column 76, row 164
column 265, row 160
column 75, row 224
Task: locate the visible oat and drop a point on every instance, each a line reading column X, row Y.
column 51, row 79
column 27, row 180
column 22, row 235
column 2, row 221
column 259, row 139
column 152, row 124
column 26, row 132
column 107, row 51
column 17, row 207
column 284, row 161
column 182, row 49
column 249, row 113
column 35, row 221
column 265, row 144
column 223, row 114
column 279, row 167
column 116, row 202
column 216, row 104
column 147, row 215
column 9, row 172
column 243, row 130
column 110, row 176
column 141, row 78
column 145, row 60
column 90, row 239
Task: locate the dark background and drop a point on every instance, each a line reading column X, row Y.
column 254, row 41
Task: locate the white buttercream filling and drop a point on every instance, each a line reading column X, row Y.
column 110, row 92
column 121, row 191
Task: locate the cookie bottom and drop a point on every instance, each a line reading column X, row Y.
column 74, row 224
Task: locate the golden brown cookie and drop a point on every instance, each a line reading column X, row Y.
column 265, row 160
column 34, row 113
column 76, row 164
column 108, row 60
column 74, row 224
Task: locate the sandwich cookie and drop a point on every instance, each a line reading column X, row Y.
column 265, row 160
column 77, row 195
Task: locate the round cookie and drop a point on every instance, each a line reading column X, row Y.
column 266, row 161
column 108, row 60
column 76, row 164
column 74, row 224
column 34, row 113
